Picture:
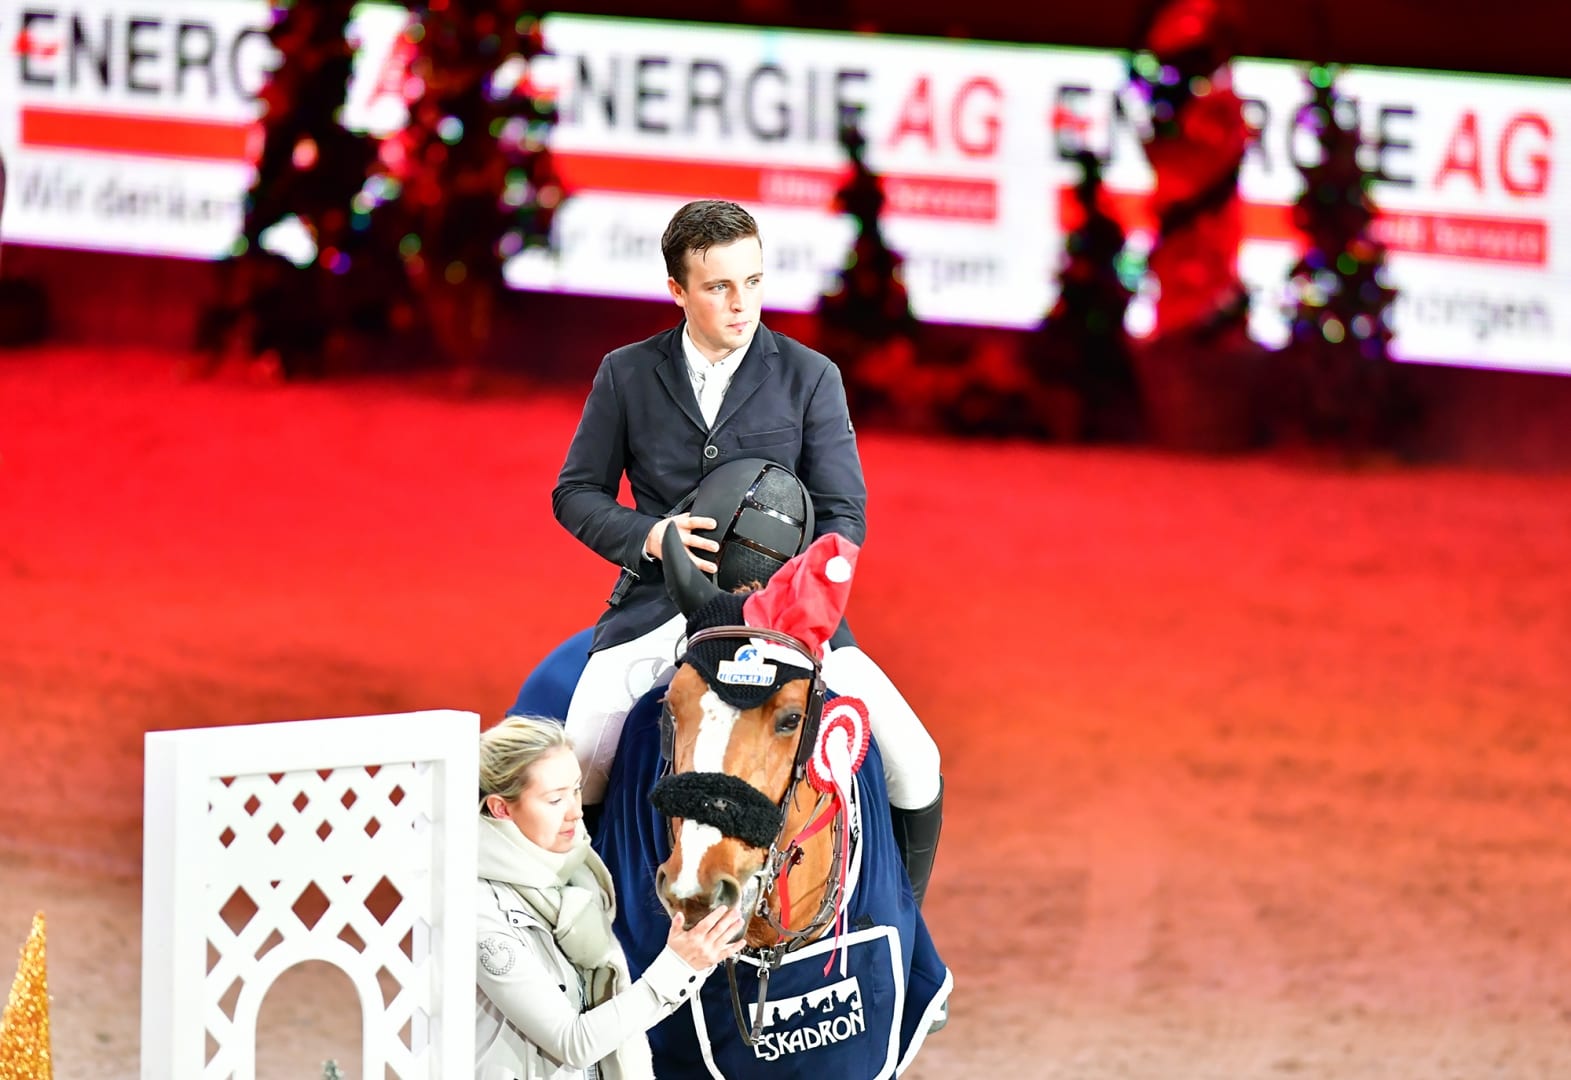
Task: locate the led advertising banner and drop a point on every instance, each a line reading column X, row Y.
column 131, row 131
column 129, row 127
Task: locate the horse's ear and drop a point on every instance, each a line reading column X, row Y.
column 686, row 584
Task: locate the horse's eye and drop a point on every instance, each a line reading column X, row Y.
column 787, row 722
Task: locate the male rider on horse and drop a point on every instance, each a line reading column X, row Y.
column 668, row 412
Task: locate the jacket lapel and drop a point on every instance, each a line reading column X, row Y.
column 750, row 374
column 672, row 372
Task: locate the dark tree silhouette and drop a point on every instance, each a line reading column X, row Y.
column 419, row 223
column 1082, row 347
column 865, row 319
column 478, row 183
column 1338, row 291
column 309, row 168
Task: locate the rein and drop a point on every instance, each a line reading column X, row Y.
column 775, row 873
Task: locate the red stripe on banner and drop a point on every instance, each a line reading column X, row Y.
column 955, row 200
column 1455, row 236
column 1521, row 241
column 1271, row 221
column 1261, row 221
column 909, row 196
column 126, row 133
column 702, row 179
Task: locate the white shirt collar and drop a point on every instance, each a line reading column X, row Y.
column 698, row 364
column 701, row 370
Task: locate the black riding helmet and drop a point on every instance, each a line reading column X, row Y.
column 763, row 517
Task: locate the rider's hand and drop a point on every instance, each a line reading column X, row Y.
column 708, row 943
column 685, row 524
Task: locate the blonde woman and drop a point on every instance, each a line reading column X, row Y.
column 554, row 1001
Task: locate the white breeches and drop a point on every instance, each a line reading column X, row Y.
column 612, row 681
column 616, row 677
column 910, row 754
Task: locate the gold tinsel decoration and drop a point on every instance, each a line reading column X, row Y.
column 24, row 1032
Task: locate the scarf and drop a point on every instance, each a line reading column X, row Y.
column 571, row 893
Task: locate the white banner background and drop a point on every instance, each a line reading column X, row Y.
column 129, row 131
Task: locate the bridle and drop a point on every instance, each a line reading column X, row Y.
column 784, row 853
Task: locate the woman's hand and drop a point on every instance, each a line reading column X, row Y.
column 708, row 943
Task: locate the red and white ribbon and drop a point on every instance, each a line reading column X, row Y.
column 844, row 734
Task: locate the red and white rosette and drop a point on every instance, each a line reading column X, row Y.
column 843, row 737
column 844, row 733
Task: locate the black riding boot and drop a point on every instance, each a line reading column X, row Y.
column 916, row 831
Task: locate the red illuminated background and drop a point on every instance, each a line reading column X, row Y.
column 1258, row 765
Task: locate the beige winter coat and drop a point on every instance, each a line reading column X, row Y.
column 529, row 1019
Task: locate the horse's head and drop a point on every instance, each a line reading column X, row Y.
column 732, row 771
column 743, row 704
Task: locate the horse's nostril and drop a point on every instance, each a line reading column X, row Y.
column 660, row 882
column 727, row 892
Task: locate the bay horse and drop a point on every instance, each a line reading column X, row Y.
column 738, row 786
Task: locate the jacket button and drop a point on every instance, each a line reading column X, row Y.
column 711, row 452
column 692, row 978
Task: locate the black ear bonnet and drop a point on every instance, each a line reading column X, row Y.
column 730, row 665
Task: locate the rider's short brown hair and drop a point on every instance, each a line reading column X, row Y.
column 699, row 226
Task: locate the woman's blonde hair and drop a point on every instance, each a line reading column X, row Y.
column 510, row 749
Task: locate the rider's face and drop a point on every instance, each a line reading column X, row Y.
column 548, row 809
column 722, row 295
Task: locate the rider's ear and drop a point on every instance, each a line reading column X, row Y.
column 498, row 807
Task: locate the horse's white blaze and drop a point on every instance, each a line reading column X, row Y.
column 714, row 733
column 695, row 840
column 694, row 843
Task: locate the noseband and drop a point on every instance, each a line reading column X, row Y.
column 739, row 810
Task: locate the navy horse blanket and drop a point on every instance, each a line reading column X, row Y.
column 863, row 1019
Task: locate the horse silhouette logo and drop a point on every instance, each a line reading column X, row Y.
column 823, row 1017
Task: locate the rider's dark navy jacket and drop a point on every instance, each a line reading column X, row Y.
column 786, row 403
